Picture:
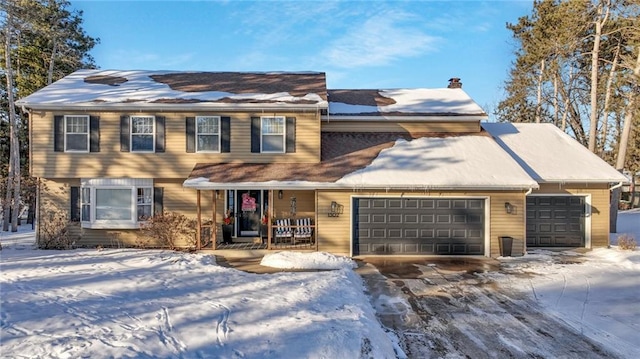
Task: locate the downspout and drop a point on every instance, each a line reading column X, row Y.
column 528, row 191
column 616, row 186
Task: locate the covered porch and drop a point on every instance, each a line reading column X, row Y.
column 256, row 218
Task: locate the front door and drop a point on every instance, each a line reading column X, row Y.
column 249, row 204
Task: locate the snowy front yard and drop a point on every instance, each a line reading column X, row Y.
column 150, row 303
column 145, row 303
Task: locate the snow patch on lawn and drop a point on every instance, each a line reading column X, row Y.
column 315, row 260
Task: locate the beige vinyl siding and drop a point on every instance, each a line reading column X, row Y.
column 599, row 206
column 334, row 233
column 175, row 162
column 398, row 126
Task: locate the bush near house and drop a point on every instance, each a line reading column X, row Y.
column 169, row 230
column 627, row 242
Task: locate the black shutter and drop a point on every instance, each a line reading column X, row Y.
column 124, row 133
column 75, row 204
column 291, row 134
column 160, row 134
column 94, row 136
column 58, row 133
column 158, row 205
column 255, row 134
column 190, row 124
column 225, row 130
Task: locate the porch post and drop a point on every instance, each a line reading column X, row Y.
column 270, row 219
column 199, row 229
column 214, row 225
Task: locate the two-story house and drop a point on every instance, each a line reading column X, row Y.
column 398, row 171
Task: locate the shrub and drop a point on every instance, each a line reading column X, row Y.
column 54, row 233
column 170, row 229
column 627, row 242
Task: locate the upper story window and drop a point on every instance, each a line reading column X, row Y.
column 272, row 139
column 208, row 133
column 142, row 133
column 76, row 133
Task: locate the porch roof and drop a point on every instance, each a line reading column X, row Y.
column 379, row 160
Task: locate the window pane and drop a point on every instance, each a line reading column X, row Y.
column 113, row 204
column 144, row 195
column 77, row 142
column 144, row 212
column 208, row 125
column 141, row 124
column 208, row 143
column 142, row 143
column 272, row 143
column 77, row 124
column 272, row 125
column 86, row 213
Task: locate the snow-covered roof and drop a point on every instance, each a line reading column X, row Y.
column 114, row 89
column 448, row 162
column 456, row 162
column 419, row 103
column 550, row 155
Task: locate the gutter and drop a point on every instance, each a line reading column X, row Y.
column 159, row 107
column 616, row 186
column 300, row 185
column 417, row 118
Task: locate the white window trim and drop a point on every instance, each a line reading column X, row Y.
column 123, row 183
column 219, row 134
column 153, row 133
column 284, row 134
column 77, row 133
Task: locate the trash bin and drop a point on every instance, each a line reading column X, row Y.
column 506, row 243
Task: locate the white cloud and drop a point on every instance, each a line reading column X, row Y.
column 380, row 40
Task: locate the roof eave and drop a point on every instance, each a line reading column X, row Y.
column 435, row 118
column 135, row 106
column 299, row 185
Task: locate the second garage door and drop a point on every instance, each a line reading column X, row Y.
column 418, row 226
column 555, row 221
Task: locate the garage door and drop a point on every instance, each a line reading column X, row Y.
column 555, row 221
column 418, row 226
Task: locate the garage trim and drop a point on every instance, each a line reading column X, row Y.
column 487, row 215
column 587, row 213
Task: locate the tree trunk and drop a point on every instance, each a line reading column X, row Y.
column 52, row 62
column 624, row 143
column 595, row 56
column 539, row 103
column 607, row 100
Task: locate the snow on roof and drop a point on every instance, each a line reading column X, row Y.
column 550, row 155
column 456, row 162
column 449, row 162
column 103, row 88
column 403, row 102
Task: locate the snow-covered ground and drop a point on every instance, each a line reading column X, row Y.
column 597, row 293
column 127, row 303
column 151, row 303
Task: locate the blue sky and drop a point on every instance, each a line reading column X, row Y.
column 359, row 44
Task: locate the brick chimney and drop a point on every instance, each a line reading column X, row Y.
column 454, row 83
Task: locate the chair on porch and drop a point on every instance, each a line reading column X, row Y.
column 283, row 230
column 304, row 230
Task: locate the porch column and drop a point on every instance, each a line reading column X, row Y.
column 269, row 219
column 199, row 229
column 214, row 224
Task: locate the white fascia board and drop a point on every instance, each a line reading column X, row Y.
column 159, row 107
column 422, row 118
column 203, row 184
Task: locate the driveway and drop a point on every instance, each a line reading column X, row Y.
column 445, row 308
